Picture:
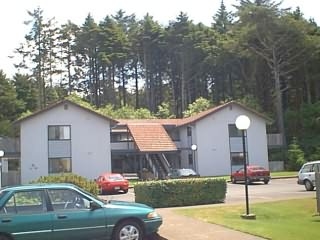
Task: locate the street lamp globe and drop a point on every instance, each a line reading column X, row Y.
column 1, row 153
column 194, row 147
column 242, row 122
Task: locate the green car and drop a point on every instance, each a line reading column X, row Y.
column 64, row 211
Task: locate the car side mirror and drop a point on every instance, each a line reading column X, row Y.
column 94, row 205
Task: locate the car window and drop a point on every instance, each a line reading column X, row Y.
column 26, row 202
column 115, row 177
column 307, row 168
column 66, row 199
column 316, row 167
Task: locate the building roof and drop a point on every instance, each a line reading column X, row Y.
column 65, row 102
column 151, row 137
column 201, row 115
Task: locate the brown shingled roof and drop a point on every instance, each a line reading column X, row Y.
column 151, row 137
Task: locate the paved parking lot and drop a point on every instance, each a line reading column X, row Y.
column 176, row 227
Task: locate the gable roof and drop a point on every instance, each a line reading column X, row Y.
column 201, row 115
column 63, row 102
column 151, row 137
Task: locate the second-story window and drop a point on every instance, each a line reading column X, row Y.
column 189, row 131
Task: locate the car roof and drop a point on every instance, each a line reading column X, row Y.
column 38, row 186
column 110, row 174
column 312, row 162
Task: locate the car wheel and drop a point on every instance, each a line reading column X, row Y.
column 128, row 230
column 233, row 180
column 308, row 185
column 125, row 191
column 266, row 181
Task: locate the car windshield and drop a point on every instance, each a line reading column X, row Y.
column 115, row 177
column 186, row 172
column 257, row 168
column 91, row 195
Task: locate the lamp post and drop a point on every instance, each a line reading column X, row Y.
column 1, row 155
column 243, row 123
column 194, row 148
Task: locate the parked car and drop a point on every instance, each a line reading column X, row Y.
column 306, row 175
column 182, row 173
column 112, row 182
column 66, row 212
column 254, row 174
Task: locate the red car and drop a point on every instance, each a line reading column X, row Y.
column 112, row 182
column 254, row 174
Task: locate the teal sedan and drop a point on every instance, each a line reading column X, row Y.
column 64, row 211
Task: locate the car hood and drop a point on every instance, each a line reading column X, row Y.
column 124, row 204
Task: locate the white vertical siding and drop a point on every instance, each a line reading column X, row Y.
column 90, row 142
column 212, row 138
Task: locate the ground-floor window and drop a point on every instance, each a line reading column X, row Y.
column 59, row 165
column 236, row 147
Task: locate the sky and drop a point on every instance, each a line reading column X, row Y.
column 14, row 13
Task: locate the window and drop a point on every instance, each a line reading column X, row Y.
column 236, row 146
column 234, row 131
column 190, row 158
column 189, row 131
column 26, row 202
column 121, row 137
column 59, row 149
column 65, row 199
column 59, row 165
column 59, row 133
column 237, row 159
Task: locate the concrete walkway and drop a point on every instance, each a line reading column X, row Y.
column 177, row 227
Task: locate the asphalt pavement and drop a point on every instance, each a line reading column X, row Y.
column 178, row 227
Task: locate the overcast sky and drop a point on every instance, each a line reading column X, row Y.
column 14, row 13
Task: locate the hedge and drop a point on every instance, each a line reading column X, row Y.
column 181, row 192
column 82, row 182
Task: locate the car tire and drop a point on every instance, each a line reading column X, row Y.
column 130, row 229
column 266, row 181
column 125, row 191
column 233, row 180
column 308, row 185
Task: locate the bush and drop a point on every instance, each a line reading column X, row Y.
column 181, row 192
column 82, row 182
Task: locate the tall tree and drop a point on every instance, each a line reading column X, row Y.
column 40, row 51
column 270, row 37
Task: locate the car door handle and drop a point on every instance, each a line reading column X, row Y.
column 6, row 220
column 62, row 216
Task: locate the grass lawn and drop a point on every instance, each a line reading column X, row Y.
column 280, row 220
column 284, row 174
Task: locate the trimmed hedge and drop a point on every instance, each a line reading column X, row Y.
column 82, row 182
column 181, row 192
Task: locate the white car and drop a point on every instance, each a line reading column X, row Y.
column 306, row 175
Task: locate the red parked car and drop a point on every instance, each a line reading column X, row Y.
column 254, row 174
column 112, row 182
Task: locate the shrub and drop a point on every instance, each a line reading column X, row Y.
column 181, row 192
column 82, row 182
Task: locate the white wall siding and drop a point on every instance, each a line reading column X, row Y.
column 90, row 142
column 212, row 138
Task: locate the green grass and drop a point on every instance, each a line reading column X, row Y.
column 284, row 174
column 280, row 220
